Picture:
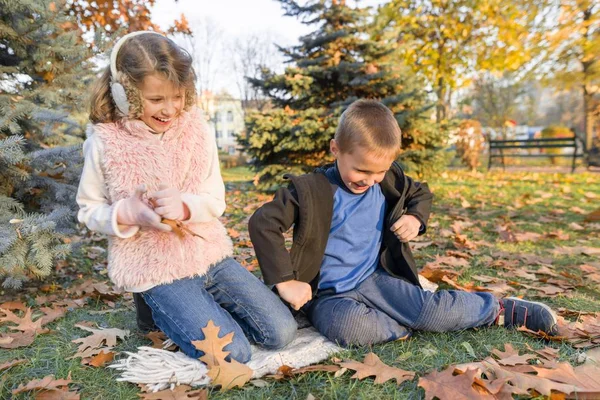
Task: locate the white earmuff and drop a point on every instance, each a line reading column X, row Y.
column 116, row 89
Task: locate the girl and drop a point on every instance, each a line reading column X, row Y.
column 149, row 156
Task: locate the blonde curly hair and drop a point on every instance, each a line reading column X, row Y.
column 139, row 57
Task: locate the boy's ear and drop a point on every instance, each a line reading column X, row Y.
column 333, row 146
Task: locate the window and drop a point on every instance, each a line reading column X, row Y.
column 231, row 134
column 217, row 116
column 229, row 116
column 218, row 134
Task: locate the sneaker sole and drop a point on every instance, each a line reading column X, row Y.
column 544, row 306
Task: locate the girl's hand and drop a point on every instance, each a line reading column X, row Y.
column 167, row 203
column 406, row 228
column 134, row 211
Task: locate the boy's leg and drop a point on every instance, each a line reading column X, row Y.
column 143, row 312
column 441, row 311
column 182, row 308
column 450, row 310
column 344, row 319
column 261, row 314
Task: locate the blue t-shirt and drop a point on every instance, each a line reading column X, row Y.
column 352, row 251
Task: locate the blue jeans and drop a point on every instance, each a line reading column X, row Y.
column 230, row 296
column 383, row 308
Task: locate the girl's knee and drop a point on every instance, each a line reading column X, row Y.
column 239, row 350
column 281, row 334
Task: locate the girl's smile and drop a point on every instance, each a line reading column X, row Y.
column 162, row 100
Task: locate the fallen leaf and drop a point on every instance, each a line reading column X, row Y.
column 13, row 305
column 15, row 340
column 105, row 338
column 46, row 383
column 102, row 358
column 227, row 374
column 212, row 345
column 24, row 323
column 445, row 385
column 158, row 339
column 511, row 356
column 10, row 364
column 373, row 366
column 181, row 392
column 593, row 216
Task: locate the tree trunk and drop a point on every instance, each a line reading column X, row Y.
column 588, row 109
column 440, row 113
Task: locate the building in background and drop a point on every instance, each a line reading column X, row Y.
column 225, row 117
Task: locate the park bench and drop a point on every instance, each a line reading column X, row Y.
column 497, row 148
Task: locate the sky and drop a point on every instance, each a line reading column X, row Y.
column 237, row 18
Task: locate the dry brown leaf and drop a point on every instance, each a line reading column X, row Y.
column 222, row 373
column 13, row 305
column 548, row 353
column 46, row 383
column 158, row 339
column 528, row 237
column 24, row 323
column 229, row 374
column 511, row 356
column 57, row 394
column 526, row 381
column 52, row 314
column 10, row 364
column 285, row 371
column 373, row 366
column 102, row 358
column 445, row 385
column 105, row 338
column 15, row 340
column 212, row 345
column 594, row 216
column 181, row 392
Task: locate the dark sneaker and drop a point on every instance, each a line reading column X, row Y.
column 531, row 314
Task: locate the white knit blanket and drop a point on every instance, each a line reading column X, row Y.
column 159, row 369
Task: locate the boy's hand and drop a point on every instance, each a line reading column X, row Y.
column 296, row 293
column 134, row 211
column 406, row 228
column 167, row 203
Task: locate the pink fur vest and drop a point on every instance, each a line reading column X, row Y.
column 134, row 156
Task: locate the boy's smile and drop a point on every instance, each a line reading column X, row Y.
column 361, row 168
column 162, row 101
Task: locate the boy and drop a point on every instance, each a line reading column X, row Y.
column 350, row 267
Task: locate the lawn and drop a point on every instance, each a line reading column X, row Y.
column 500, row 222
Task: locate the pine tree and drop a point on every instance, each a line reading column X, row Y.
column 331, row 67
column 43, row 76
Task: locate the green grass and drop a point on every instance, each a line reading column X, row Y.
column 237, row 174
column 495, row 199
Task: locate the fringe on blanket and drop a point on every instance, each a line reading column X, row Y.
column 159, row 369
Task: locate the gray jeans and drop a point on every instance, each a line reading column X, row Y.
column 383, row 308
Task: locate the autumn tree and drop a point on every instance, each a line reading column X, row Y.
column 44, row 74
column 448, row 42
column 573, row 54
column 332, row 66
column 111, row 16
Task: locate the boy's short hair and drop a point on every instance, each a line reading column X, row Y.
column 368, row 124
